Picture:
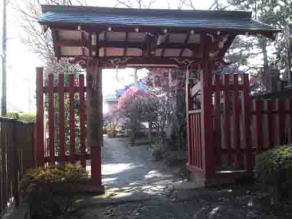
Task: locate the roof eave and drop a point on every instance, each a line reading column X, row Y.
column 265, row 32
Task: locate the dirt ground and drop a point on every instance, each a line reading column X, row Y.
column 139, row 188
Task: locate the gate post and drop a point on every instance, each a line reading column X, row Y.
column 206, row 111
column 94, row 118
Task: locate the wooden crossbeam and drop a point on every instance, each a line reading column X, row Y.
column 117, row 44
column 144, row 61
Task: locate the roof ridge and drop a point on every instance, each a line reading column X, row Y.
column 149, row 12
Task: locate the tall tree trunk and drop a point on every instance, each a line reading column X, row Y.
column 265, row 74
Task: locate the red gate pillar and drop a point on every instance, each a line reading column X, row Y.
column 94, row 118
column 206, row 111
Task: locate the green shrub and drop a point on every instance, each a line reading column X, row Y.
column 50, row 191
column 12, row 115
column 27, row 117
column 273, row 169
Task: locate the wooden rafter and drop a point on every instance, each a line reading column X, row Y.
column 90, row 45
column 125, row 43
column 165, row 42
column 105, row 40
column 97, row 44
column 83, row 40
column 186, row 44
column 147, row 45
column 57, row 48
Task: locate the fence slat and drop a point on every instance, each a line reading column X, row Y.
column 51, row 119
column 290, row 119
column 72, row 117
column 188, row 99
column 259, row 127
column 82, row 120
column 271, row 127
column 246, row 124
column 61, row 119
column 40, row 117
column 195, row 137
column 191, row 143
column 217, row 116
column 227, row 118
column 200, row 139
column 281, row 120
column 236, row 120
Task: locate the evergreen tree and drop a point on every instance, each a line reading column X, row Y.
column 277, row 13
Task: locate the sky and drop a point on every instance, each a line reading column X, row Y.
column 22, row 61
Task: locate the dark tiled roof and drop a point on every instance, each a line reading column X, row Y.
column 237, row 21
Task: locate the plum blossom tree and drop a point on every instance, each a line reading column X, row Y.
column 138, row 106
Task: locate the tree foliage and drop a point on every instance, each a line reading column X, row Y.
column 277, row 13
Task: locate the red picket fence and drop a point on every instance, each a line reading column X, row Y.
column 61, row 119
column 271, row 123
column 194, row 138
column 231, row 122
column 242, row 127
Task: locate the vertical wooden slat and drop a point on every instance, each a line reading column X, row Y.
column 198, row 118
column 290, row 119
column 259, row 127
column 3, row 166
column 61, row 119
column 82, row 120
column 9, row 158
column 227, row 118
column 15, row 161
column 1, row 171
column 281, row 109
column 194, row 138
column 191, row 141
column 271, row 127
column 51, row 119
column 236, row 119
column 246, row 124
column 40, row 116
column 200, row 139
column 187, row 98
column 72, row 118
column 217, row 116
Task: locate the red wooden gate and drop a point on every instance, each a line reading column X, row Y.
column 230, row 123
column 61, row 119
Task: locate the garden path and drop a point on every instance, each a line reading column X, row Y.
column 139, row 188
